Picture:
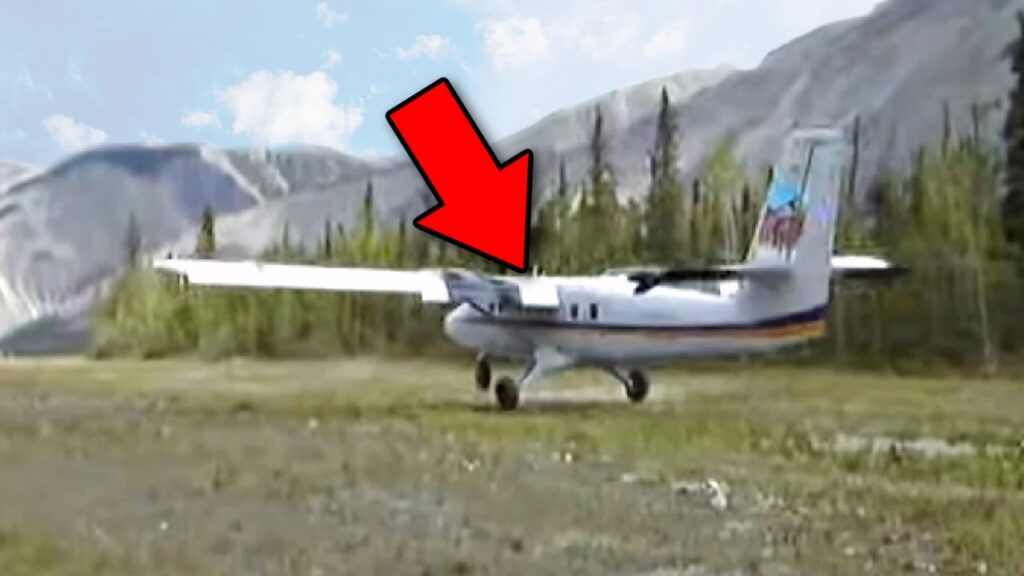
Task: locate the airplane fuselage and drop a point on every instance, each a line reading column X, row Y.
column 601, row 321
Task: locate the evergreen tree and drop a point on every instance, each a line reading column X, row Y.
column 366, row 235
column 368, row 216
column 286, row 240
column 562, row 191
column 327, row 244
column 1013, row 134
column 132, row 243
column 543, row 235
column 720, row 219
column 599, row 211
column 206, row 243
column 597, row 166
column 563, row 215
column 663, row 230
column 851, row 189
column 401, row 243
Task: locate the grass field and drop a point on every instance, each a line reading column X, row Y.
column 400, row 467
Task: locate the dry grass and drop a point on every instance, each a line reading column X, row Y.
column 399, row 467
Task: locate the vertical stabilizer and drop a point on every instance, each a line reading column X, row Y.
column 798, row 220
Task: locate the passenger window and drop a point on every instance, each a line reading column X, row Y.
column 574, row 311
column 490, row 307
column 593, row 311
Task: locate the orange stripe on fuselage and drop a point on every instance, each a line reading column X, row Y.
column 813, row 329
column 807, row 329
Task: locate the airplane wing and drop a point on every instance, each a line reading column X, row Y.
column 843, row 267
column 647, row 279
column 441, row 287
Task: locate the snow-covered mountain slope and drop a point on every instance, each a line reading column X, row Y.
column 63, row 232
column 12, row 172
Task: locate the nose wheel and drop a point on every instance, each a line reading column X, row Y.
column 636, row 383
column 506, row 391
column 507, row 394
column 545, row 361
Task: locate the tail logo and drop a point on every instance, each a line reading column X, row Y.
column 784, row 218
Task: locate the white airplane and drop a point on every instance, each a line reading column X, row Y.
column 625, row 320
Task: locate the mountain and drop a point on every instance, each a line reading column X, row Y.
column 11, row 172
column 896, row 68
column 62, row 230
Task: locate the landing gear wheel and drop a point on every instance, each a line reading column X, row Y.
column 483, row 375
column 638, row 386
column 507, row 394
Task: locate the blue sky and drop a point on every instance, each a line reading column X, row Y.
column 75, row 74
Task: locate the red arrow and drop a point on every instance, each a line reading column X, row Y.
column 483, row 205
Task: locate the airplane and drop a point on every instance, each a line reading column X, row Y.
column 628, row 320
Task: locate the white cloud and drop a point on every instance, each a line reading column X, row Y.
column 72, row 135
column 150, row 139
column 669, row 40
column 607, row 40
column 285, row 107
column 201, row 119
column 332, row 59
column 513, row 41
column 432, row 46
column 329, row 16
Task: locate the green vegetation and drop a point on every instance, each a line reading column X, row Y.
column 24, row 555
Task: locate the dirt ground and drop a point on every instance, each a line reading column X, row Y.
column 401, row 467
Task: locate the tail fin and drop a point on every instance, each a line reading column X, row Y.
column 798, row 220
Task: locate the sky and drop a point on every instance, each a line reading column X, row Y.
column 235, row 73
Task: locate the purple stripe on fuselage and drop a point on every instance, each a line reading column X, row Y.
column 803, row 317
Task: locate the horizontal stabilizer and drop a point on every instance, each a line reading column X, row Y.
column 865, row 268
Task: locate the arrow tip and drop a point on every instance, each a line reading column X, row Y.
column 483, row 206
column 495, row 225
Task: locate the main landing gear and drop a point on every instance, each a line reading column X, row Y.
column 637, row 386
column 506, row 393
column 506, row 390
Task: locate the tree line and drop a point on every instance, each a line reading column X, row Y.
column 956, row 220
